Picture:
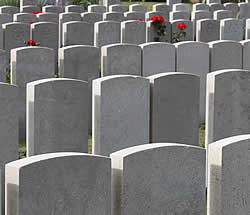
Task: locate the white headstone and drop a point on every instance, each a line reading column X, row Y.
column 232, row 29
column 207, row 30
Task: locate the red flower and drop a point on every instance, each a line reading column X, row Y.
column 154, row 18
column 160, row 19
column 141, row 20
column 31, row 42
column 31, row 22
column 37, row 12
column 181, row 25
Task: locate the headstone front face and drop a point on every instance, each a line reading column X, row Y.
column 107, row 3
column 4, row 18
column 181, row 7
column 150, row 14
column 29, row 9
column 29, row 64
column 74, row 8
column 160, row 178
column 222, row 14
column 133, row 32
column 52, row 9
column 163, row 8
column 189, row 36
column 244, row 10
column 97, row 8
column 174, row 97
column 107, row 32
column 193, row 57
column 213, row 1
column 200, row 6
column 231, row 60
column 134, row 15
column 138, row 8
column 232, row 29
column 113, row 16
column 91, row 17
column 246, row 54
column 57, row 116
column 77, row 33
column 9, row 10
column 215, row 6
column 3, row 65
column 228, row 176
column 228, row 113
column 232, row 7
column 14, row 35
column 207, row 30
column 172, row 2
column 28, row 2
column 121, row 59
column 157, row 57
column 175, row 15
column 48, row 17
column 9, row 131
column 118, row 8
column 67, row 183
column 151, row 35
column 198, row 15
column 24, row 17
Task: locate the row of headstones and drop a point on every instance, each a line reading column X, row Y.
column 159, row 178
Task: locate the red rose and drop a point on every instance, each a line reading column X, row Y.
column 139, row 19
column 154, row 18
column 160, row 19
column 31, row 22
column 181, row 25
column 31, row 42
column 39, row 12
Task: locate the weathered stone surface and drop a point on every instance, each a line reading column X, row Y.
column 91, row 17
column 207, row 30
column 77, row 33
column 48, row 17
column 97, row 8
column 52, row 9
column 134, row 15
column 163, row 8
column 107, row 3
column 118, row 8
column 213, row 1
column 133, row 32
column 215, row 6
column 107, row 32
column 121, row 59
column 246, row 54
column 160, row 178
column 138, row 8
column 3, row 65
column 175, row 108
column 81, row 62
column 157, row 57
column 4, row 18
column 176, row 15
column 181, row 7
column 189, row 36
column 74, row 8
column 29, row 64
column 9, row 10
column 231, row 60
column 228, row 176
column 67, row 183
column 117, row 99
column 29, row 9
column 247, row 29
column 24, row 17
column 233, row 7
column 113, row 16
column 151, row 35
column 198, row 15
column 232, row 29
column 244, row 10
column 222, row 14
column 150, row 14
column 193, row 57
column 57, row 116
column 200, row 6
column 228, row 107
column 28, row 2
column 171, row 2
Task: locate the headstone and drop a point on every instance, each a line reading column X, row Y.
column 77, row 33
column 29, row 9
column 213, row 1
column 157, row 57
column 63, row 3
column 134, row 15
column 174, row 97
column 247, row 34
column 29, row 64
column 9, row 9
column 107, row 3
column 193, row 57
column 52, row 9
column 228, row 113
column 118, row 8
column 91, row 17
column 97, row 8
column 28, row 2
column 24, row 17
column 232, row 29
column 233, row 7
column 225, row 55
column 133, row 32
column 48, row 17
column 172, row 2
column 151, row 35
column 57, row 116
column 198, row 15
column 228, row 171
column 14, row 35
column 150, row 14
column 9, row 131
column 163, row 8
column 138, row 8
column 175, row 15
column 74, row 8
column 200, row 6
column 116, row 99
column 113, row 16
column 244, row 10
column 246, row 54
column 3, row 65
column 63, row 183
column 107, row 32
column 215, row 7
column 181, row 7
column 160, row 178
column 4, row 18
column 207, row 30
column 121, row 59
column 222, row 14
column 189, row 36
column 83, row 63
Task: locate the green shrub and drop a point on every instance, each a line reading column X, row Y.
column 9, row 3
column 85, row 3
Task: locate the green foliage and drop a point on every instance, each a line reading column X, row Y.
column 9, row 3
column 85, row 3
column 202, row 136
